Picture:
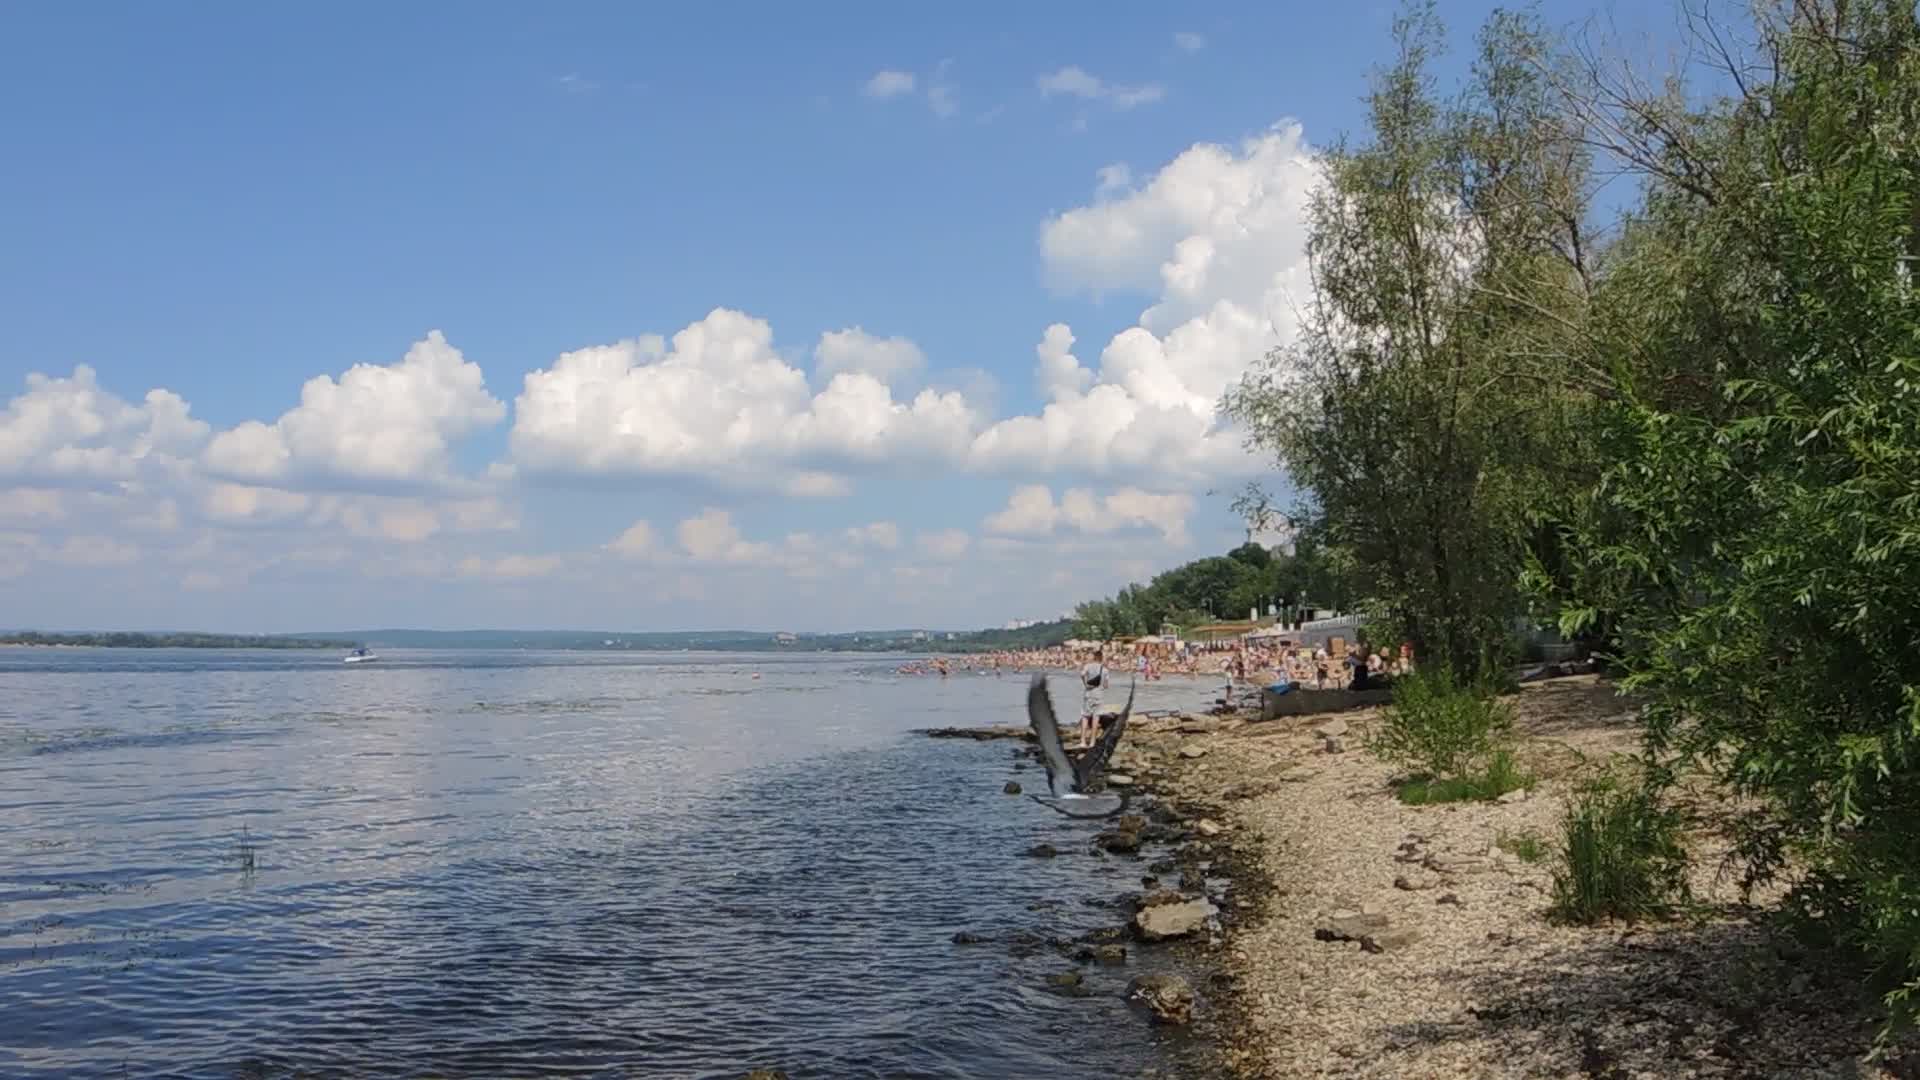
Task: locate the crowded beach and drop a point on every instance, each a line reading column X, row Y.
column 1263, row 657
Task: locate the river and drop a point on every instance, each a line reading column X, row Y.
column 466, row 863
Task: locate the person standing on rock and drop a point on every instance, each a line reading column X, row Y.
column 1093, row 679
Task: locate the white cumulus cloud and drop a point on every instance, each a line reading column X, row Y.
column 378, row 422
column 855, row 351
column 711, row 536
column 1032, row 511
column 1218, row 237
column 720, row 403
column 71, row 429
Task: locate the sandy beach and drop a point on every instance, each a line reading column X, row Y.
column 1368, row 938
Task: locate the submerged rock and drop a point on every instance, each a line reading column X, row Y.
column 1012, row 788
column 1067, row 984
column 1118, row 840
column 1170, row 997
column 1105, row 935
column 1101, row 954
column 997, row 731
column 1042, row 851
column 767, row 1074
column 967, row 937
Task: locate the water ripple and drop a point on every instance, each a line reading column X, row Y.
column 643, row 869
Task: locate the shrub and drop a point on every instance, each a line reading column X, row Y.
column 1621, row 856
column 1450, row 737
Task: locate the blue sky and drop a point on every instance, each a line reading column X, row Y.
column 873, row 229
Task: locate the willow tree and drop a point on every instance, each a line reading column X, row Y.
column 1420, row 411
column 1759, row 524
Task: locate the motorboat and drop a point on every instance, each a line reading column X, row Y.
column 360, row 656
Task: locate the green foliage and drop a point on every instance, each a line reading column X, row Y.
column 1528, row 846
column 1438, row 727
column 1447, row 253
column 1621, row 856
column 1752, row 549
column 1498, row 774
column 1249, row 578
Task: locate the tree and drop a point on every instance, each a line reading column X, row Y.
column 1410, row 411
column 1253, row 555
column 1757, row 531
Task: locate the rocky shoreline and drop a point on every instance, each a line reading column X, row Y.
column 1371, row 938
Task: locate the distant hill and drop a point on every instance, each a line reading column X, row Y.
column 1039, row 636
column 1032, row 637
column 122, row 639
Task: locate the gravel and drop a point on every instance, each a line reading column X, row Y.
column 1383, row 940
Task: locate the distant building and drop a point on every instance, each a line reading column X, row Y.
column 921, row 635
column 784, row 638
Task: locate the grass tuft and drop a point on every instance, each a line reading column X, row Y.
column 1621, row 856
column 1528, row 847
column 1499, row 775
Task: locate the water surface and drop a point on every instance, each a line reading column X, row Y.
column 218, row 863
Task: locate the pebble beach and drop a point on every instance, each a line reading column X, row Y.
column 1367, row 938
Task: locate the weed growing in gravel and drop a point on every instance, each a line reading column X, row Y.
column 1621, row 856
column 1451, row 738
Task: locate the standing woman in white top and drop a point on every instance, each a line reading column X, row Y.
column 1093, row 679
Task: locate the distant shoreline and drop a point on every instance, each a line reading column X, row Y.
column 163, row 641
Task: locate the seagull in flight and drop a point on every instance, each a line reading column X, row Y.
column 1068, row 780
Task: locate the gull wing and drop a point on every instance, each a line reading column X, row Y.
column 1060, row 772
column 1094, row 760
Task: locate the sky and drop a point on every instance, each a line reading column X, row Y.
column 643, row 317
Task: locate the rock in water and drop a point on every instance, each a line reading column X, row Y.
column 1158, row 922
column 1042, row 851
column 1118, row 841
column 1169, row 996
column 1101, row 954
column 965, row 937
column 1012, row 788
column 767, row 1074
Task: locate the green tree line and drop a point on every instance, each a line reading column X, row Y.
column 1249, row 578
column 1687, row 429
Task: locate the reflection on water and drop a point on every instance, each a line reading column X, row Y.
column 530, row 863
